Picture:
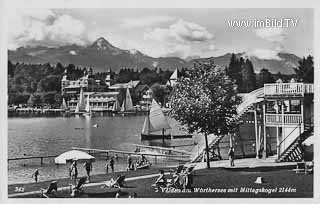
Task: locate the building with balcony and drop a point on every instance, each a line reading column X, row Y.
column 99, row 101
column 274, row 120
column 101, row 98
column 71, row 88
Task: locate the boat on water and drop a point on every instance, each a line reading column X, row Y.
column 115, row 107
column 88, row 111
column 83, row 108
column 156, row 121
column 64, row 106
column 127, row 106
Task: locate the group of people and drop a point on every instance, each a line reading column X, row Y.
column 140, row 162
column 183, row 179
column 73, row 170
column 110, row 164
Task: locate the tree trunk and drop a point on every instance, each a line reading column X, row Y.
column 207, row 150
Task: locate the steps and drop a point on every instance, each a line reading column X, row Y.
column 294, row 152
column 214, row 142
column 248, row 100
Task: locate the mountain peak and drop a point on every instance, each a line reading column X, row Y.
column 102, row 44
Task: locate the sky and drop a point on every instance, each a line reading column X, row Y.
column 169, row 32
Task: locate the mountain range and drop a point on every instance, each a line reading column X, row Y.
column 102, row 55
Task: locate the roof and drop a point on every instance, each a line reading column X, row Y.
column 113, row 93
column 130, row 84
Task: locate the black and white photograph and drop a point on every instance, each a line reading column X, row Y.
column 159, row 102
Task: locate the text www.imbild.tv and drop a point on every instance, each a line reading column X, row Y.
column 263, row 23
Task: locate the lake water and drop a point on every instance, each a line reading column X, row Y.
column 34, row 136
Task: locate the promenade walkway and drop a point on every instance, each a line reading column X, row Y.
column 220, row 174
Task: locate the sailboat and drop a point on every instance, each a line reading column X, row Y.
column 88, row 108
column 80, row 108
column 157, row 121
column 64, row 106
column 116, row 106
column 127, row 107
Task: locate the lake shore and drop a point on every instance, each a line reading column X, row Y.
column 217, row 182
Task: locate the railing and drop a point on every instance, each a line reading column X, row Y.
column 286, row 119
column 307, row 123
column 249, row 99
column 288, row 89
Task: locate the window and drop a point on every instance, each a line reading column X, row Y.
column 295, row 106
column 271, row 107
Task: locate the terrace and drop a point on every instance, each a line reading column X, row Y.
column 288, row 89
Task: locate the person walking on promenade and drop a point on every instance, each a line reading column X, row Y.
column 74, row 171
column 35, row 175
column 129, row 160
column 107, row 166
column 111, row 164
column 88, row 167
column 231, row 156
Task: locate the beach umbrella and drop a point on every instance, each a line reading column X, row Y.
column 309, row 141
column 73, row 155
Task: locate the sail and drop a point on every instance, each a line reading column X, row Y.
column 146, row 125
column 174, row 76
column 116, row 106
column 123, row 107
column 88, row 109
column 157, row 120
column 81, row 101
column 128, row 105
column 127, row 102
column 64, row 104
column 77, row 108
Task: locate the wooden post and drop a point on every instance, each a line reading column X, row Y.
column 302, row 115
column 282, row 124
column 278, row 142
column 256, row 132
column 41, row 160
column 264, row 154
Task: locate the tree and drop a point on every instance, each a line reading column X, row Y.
column 205, row 102
column 248, row 77
column 34, row 100
column 234, row 70
column 279, row 76
column 305, row 70
column 265, row 77
column 159, row 93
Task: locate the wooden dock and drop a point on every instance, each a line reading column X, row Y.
column 181, row 157
column 32, row 157
column 170, row 150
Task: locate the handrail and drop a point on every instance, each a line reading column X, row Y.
column 299, row 125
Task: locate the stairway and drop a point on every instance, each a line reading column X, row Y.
column 294, row 152
column 212, row 144
column 248, row 100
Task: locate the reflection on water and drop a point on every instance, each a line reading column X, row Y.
column 54, row 135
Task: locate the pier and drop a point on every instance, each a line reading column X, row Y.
column 33, row 157
column 164, row 149
column 181, row 157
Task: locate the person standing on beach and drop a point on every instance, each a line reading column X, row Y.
column 74, row 171
column 88, row 167
column 111, row 163
column 231, row 156
column 35, row 175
